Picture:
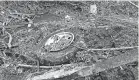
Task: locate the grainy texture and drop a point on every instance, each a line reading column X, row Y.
column 105, row 35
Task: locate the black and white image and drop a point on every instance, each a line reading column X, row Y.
column 69, row 40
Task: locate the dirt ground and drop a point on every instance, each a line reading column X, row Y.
column 26, row 25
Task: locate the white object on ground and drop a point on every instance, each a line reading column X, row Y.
column 93, row 9
column 59, row 41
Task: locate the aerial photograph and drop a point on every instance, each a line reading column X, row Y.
column 69, row 40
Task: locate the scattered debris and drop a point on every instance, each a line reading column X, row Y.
column 107, row 28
